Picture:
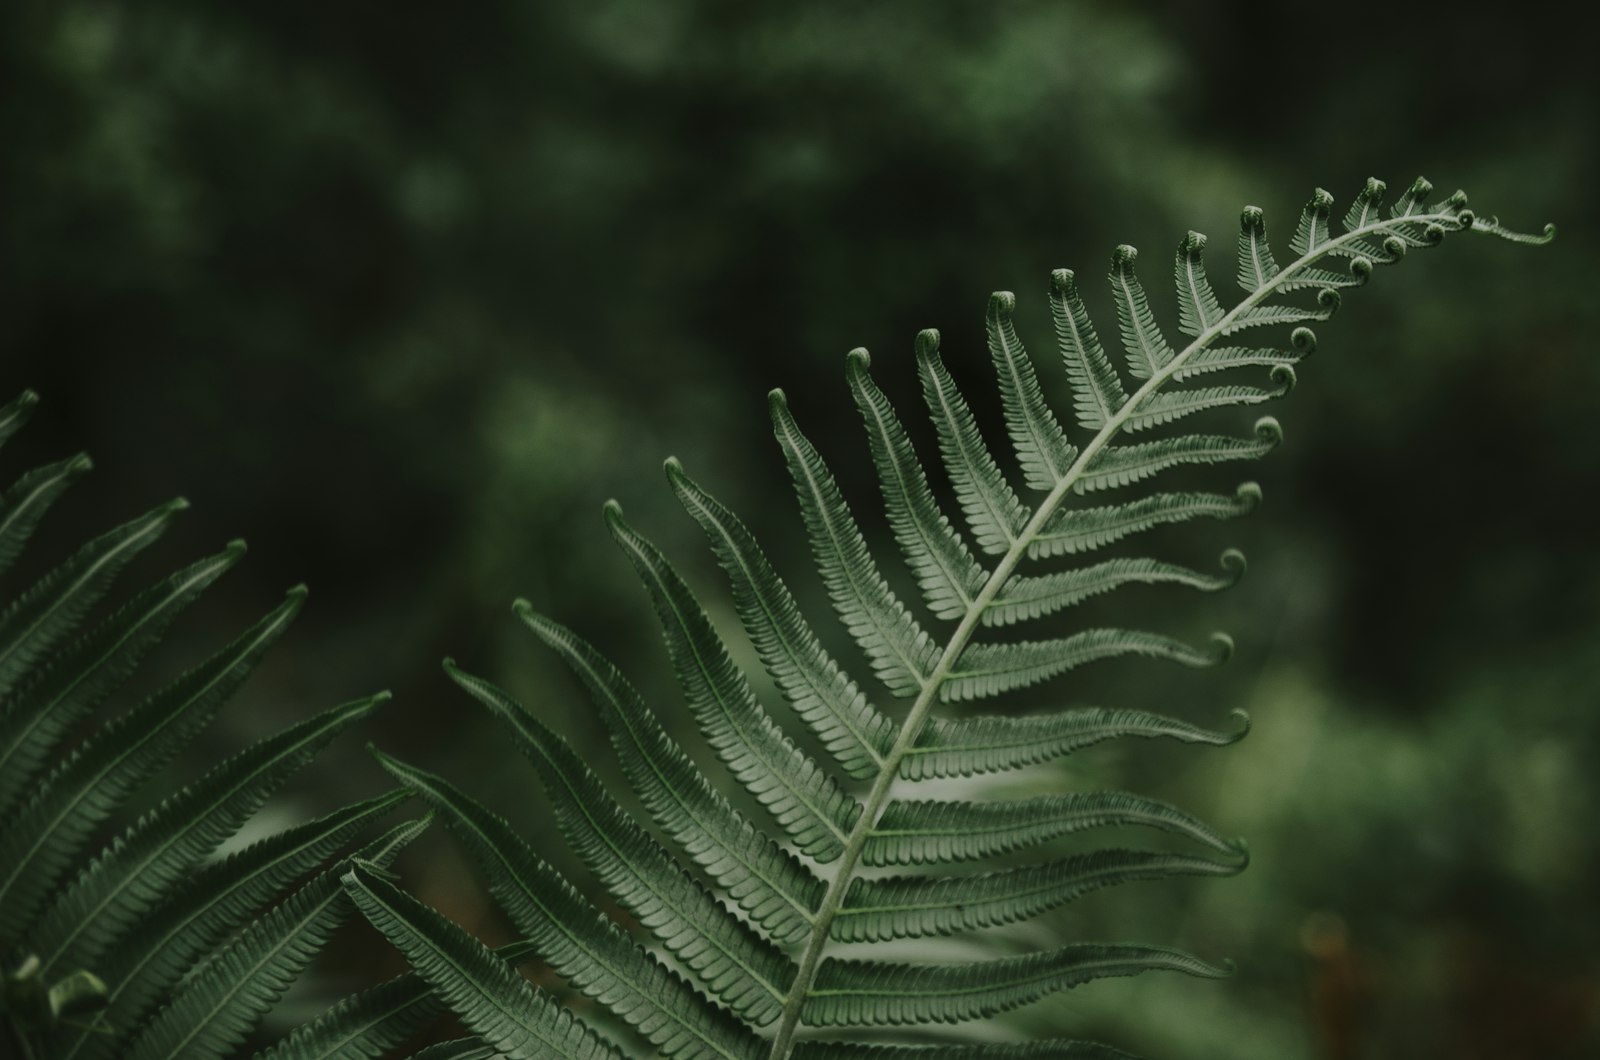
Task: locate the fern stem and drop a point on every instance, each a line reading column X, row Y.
column 878, row 797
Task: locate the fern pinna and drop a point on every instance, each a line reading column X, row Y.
column 147, row 947
column 744, row 918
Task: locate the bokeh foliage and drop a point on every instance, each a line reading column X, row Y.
column 404, row 292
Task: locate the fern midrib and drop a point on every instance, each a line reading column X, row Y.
column 877, row 798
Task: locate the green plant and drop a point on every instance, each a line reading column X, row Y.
column 742, row 984
column 145, row 948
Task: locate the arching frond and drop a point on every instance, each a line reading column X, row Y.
column 755, row 984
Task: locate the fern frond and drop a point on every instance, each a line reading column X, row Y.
column 961, row 747
column 374, row 1022
column 991, row 669
column 1123, row 465
column 921, row 833
column 775, row 891
column 194, row 919
column 1027, row 598
column 901, row 653
column 50, row 831
column 877, row 993
column 853, row 731
column 810, row 806
column 518, row 1019
column 991, row 508
column 946, row 571
column 1148, row 352
column 1042, row 449
column 26, row 502
column 896, row 907
column 767, row 882
column 34, row 623
column 460, row 1049
column 217, row 1006
column 726, row 957
column 582, row 946
column 40, row 715
column 132, row 875
column 1075, row 530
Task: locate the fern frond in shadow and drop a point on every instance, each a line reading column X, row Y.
column 146, row 946
column 742, row 915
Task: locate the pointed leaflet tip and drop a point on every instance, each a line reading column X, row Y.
column 176, row 504
column 28, row 398
column 80, row 464
column 298, row 593
column 235, row 548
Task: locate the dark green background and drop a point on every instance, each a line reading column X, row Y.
column 402, row 293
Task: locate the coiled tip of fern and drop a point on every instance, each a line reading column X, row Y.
column 176, row 504
column 1303, row 339
column 235, row 548
column 1252, row 218
column 1221, row 648
column 1284, row 377
column 1124, row 256
column 521, row 607
column 79, row 464
column 1361, row 268
column 1193, row 244
column 1063, row 281
column 1240, row 849
column 1420, row 188
column 1002, row 303
column 612, row 511
column 1465, row 218
column 1248, row 495
column 1433, row 234
column 928, row 343
column 1321, row 201
column 298, row 593
column 674, row 469
column 1234, row 565
column 1329, row 299
column 1374, row 189
column 1395, row 246
column 858, row 360
column 1245, row 724
column 28, row 398
column 777, row 400
column 1269, row 430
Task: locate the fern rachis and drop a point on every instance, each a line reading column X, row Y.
column 786, row 901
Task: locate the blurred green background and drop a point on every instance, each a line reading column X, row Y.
column 402, row 293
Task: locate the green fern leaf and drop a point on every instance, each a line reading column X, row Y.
column 1097, row 392
column 1042, row 449
column 767, row 882
column 728, row 959
column 120, row 887
column 1147, row 350
column 460, row 1049
column 494, row 1001
column 218, row 1005
column 852, row 730
column 39, row 846
column 580, row 944
column 986, row 670
column 1198, row 308
column 921, row 833
column 812, row 808
column 52, row 609
column 26, row 502
column 877, row 993
column 901, row 653
column 946, row 572
column 40, row 716
column 194, row 919
column 887, row 824
column 991, row 508
column 1075, row 530
column 896, row 907
column 960, row 747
